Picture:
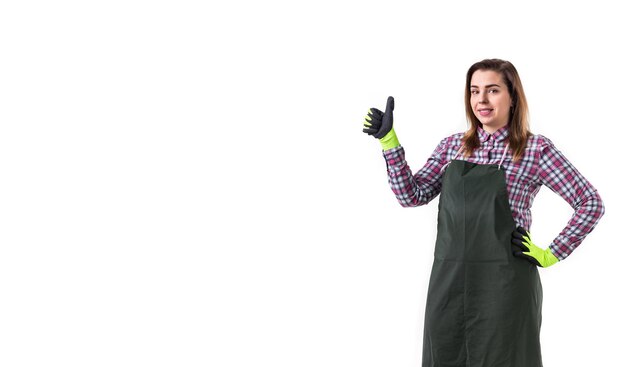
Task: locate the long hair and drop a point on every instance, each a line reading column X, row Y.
column 519, row 130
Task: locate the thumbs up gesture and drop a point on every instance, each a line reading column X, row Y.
column 380, row 125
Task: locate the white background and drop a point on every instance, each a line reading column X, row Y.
column 186, row 183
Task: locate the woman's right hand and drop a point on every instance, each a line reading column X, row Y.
column 380, row 125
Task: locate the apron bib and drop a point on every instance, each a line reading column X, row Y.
column 484, row 304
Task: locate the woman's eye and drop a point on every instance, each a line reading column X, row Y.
column 474, row 92
column 493, row 91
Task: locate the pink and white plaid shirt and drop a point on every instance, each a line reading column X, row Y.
column 542, row 164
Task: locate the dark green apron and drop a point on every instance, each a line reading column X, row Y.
column 484, row 304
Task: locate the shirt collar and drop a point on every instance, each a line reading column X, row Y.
column 499, row 135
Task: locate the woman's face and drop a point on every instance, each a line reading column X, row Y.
column 490, row 99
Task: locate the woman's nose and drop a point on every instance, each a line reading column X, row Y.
column 482, row 97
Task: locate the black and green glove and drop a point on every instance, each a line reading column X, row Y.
column 525, row 248
column 380, row 125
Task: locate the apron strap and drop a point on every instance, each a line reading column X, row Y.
column 453, row 158
column 458, row 151
column 506, row 149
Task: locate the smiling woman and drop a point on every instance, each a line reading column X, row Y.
column 495, row 98
column 485, row 296
column 490, row 100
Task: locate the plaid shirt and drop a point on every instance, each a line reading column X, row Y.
column 542, row 164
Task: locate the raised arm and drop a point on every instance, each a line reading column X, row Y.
column 419, row 189
column 410, row 190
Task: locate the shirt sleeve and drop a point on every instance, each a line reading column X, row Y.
column 419, row 189
column 558, row 174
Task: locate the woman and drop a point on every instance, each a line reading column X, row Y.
column 484, row 297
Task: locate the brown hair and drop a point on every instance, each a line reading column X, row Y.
column 519, row 130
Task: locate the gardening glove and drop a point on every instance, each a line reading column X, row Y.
column 525, row 248
column 380, row 125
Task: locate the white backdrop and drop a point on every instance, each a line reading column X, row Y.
column 185, row 183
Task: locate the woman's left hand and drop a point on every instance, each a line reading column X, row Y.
column 524, row 247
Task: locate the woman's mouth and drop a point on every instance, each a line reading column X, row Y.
column 485, row 111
